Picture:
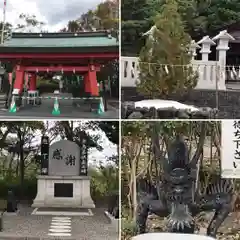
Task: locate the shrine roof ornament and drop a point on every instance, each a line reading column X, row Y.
column 206, row 40
column 150, row 31
column 97, row 39
column 223, row 35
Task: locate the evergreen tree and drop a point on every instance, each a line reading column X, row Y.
column 164, row 60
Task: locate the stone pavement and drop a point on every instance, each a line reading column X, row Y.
column 67, row 110
column 34, row 227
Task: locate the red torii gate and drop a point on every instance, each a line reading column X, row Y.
column 89, row 72
column 83, row 53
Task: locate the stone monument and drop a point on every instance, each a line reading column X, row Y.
column 64, row 181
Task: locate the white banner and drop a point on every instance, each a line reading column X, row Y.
column 230, row 155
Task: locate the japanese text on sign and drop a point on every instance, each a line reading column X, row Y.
column 236, row 140
column 69, row 159
column 57, row 154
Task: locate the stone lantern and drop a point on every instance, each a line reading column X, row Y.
column 193, row 49
column 206, row 42
column 223, row 39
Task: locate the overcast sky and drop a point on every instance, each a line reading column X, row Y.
column 55, row 13
column 95, row 157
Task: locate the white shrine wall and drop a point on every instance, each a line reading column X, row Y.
column 211, row 74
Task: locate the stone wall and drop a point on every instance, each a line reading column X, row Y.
column 229, row 101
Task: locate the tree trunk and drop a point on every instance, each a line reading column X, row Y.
column 21, row 161
column 134, row 190
column 11, row 162
column 17, row 166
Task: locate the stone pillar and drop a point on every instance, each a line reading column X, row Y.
column 206, row 42
column 193, row 49
column 32, row 82
column 86, row 83
column 44, row 155
column 19, row 81
column 223, row 39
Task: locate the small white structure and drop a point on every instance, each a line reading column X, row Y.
column 164, row 104
column 211, row 73
column 206, row 42
column 63, row 187
column 46, row 195
column 171, row 236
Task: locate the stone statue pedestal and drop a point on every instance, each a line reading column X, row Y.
column 171, row 236
column 63, row 191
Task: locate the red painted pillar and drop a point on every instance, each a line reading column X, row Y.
column 10, row 78
column 92, row 81
column 32, row 82
column 86, row 83
column 19, row 81
column 26, row 79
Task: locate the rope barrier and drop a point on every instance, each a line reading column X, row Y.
column 64, row 98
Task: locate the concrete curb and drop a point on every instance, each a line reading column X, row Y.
column 5, row 236
column 87, row 213
column 11, row 213
column 114, row 222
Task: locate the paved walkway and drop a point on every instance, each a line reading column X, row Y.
column 25, row 225
column 60, row 227
column 66, row 111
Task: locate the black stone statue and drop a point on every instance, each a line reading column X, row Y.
column 113, row 205
column 11, row 202
column 177, row 198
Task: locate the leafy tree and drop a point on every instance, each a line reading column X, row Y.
column 104, row 17
column 111, row 130
column 30, row 22
column 23, row 130
column 139, row 159
column 134, row 21
column 67, row 131
column 73, row 26
column 107, row 13
column 207, row 17
column 200, row 17
column 19, row 146
column 164, row 60
column 7, row 30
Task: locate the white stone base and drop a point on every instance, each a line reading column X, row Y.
column 11, row 213
column 81, row 192
column 113, row 220
column 88, row 212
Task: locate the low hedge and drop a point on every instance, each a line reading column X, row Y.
column 29, row 188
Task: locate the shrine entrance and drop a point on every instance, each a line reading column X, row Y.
column 79, row 56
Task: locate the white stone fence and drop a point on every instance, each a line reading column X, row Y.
column 211, row 73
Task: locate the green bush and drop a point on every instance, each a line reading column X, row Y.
column 103, row 183
column 128, row 229
column 29, row 188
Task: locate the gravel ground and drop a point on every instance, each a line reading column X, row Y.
column 229, row 230
column 24, row 225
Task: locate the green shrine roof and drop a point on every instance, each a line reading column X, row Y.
column 100, row 39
